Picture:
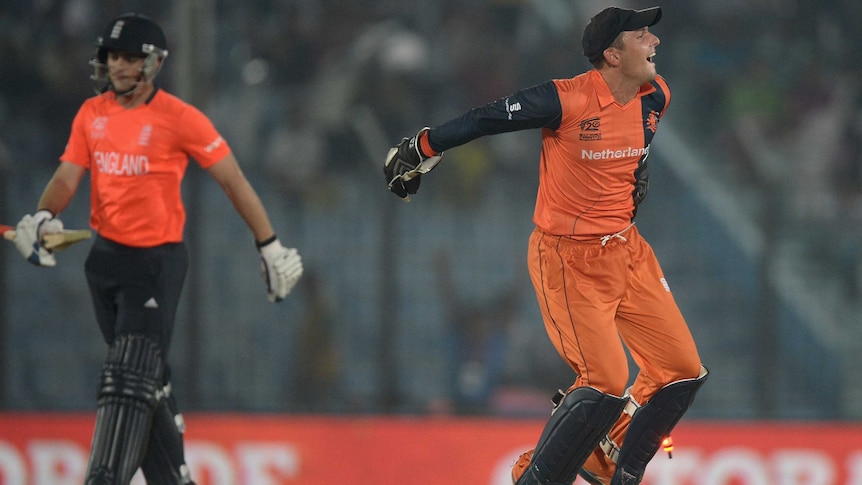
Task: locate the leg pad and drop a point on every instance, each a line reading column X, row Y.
column 580, row 420
column 129, row 391
column 651, row 424
column 165, row 462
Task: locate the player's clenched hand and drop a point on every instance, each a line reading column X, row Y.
column 405, row 164
column 29, row 233
column 280, row 267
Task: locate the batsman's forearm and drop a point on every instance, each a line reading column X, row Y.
column 55, row 201
column 249, row 206
column 61, row 188
column 242, row 195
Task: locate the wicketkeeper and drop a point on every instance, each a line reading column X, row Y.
column 598, row 283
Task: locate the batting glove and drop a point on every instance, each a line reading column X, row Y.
column 405, row 164
column 280, row 267
column 29, row 233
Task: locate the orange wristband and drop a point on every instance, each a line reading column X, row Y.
column 425, row 145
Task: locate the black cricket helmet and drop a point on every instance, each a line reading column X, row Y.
column 130, row 33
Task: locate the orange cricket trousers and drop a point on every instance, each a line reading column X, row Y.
column 597, row 296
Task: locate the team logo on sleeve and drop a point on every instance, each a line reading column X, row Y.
column 511, row 108
column 590, row 129
column 214, row 145
column 652, row 121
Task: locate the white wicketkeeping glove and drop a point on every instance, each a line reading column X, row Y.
column 280, row 267
column 29, row 233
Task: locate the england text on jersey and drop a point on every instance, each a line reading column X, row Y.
column 122, row 164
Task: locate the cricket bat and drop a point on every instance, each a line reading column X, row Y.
column 55, row 242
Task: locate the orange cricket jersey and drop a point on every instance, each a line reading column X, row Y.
column 588, row 163
column 137, row 159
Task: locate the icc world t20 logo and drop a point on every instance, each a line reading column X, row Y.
column 591, row 129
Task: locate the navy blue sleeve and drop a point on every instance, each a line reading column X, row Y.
column 533, row 107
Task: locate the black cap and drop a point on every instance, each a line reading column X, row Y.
column 606, row 25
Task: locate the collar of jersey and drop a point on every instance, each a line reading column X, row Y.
column 604, row 92
column 152, row 95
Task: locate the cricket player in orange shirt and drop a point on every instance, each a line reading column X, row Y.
column 598, row 283
column 135, row 140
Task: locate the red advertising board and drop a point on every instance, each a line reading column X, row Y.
column 51, row 449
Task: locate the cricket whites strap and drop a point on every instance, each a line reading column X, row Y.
column 611, row 449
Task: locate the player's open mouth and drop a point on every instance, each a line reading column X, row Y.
column 650, row 58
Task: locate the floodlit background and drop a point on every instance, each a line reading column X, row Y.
column 426, row 308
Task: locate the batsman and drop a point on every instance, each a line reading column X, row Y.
column 598, row 283
column 135, row 140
